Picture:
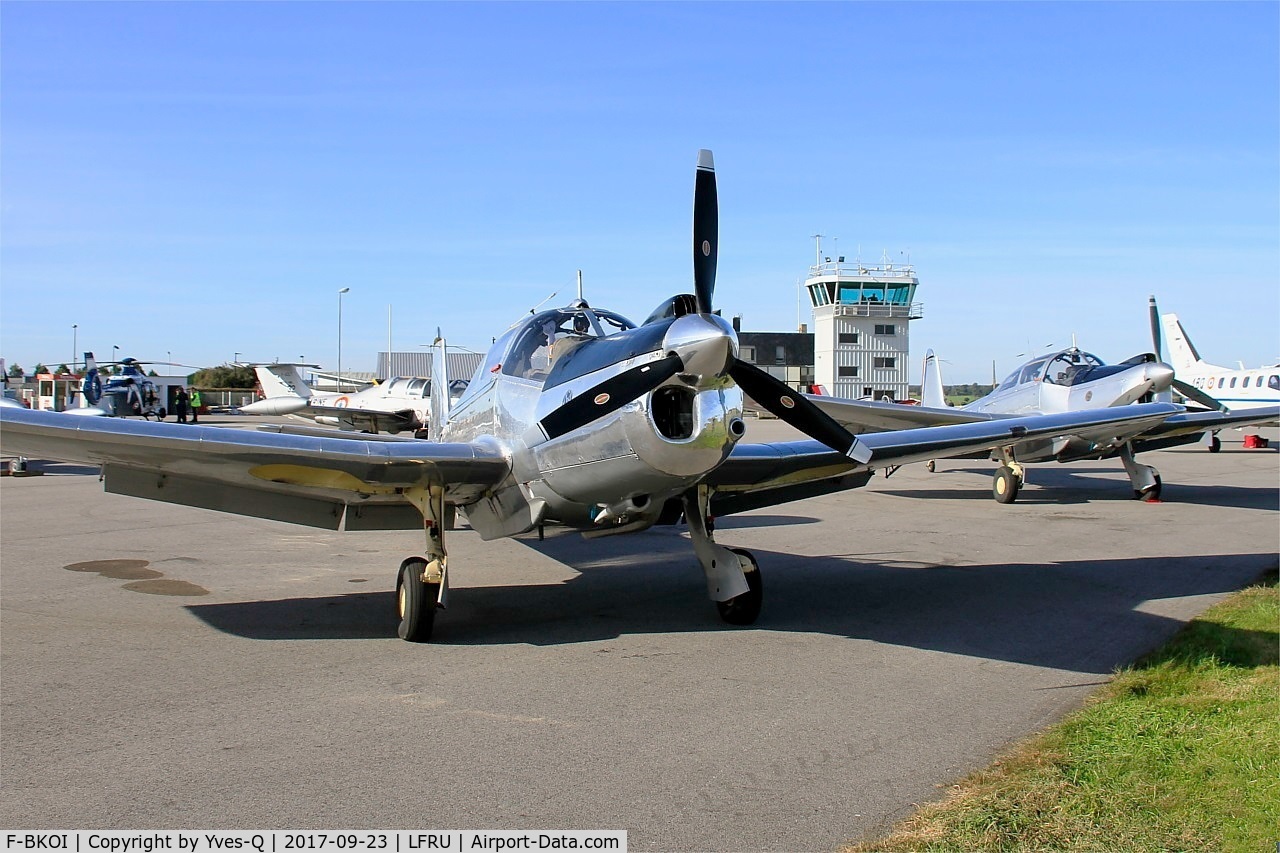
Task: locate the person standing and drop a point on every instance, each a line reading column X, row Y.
column 180, row 402
column 196, row 403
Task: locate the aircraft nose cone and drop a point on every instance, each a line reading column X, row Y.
column 705, row 343
column 1160, row 375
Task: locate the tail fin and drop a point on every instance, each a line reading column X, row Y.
column 282, row 380
column 91, row 386
column 931, row 392
column 439, row 388
column 1182, row 353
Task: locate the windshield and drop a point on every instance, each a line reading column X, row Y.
column 547, row 337
column 1071, row 367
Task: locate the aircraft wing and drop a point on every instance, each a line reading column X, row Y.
column 862, row 416
column 335, row 481
column 1193, row 423
column 759, row 475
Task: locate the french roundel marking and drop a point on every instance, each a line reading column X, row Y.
column 706, row 248
column 601, row 399
column 787, row 403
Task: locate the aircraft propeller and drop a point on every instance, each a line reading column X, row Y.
column 706, row 231
column 701, row 339
column 610, row 395
column 1186, row 389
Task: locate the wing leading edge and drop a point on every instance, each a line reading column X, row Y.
column 334, row 482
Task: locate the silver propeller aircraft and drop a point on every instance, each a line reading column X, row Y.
column 577, row 417
column 1068, row 381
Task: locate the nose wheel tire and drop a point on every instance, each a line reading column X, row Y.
column 1151, row 494
column 415, row 602
column 1005, row 486
column 1215, row 444
column 744, row 609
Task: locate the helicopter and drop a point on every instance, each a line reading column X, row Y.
column 129, row 392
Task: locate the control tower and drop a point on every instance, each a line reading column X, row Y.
column 860, row 325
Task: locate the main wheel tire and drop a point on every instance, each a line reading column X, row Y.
column 415, row 602
column 1005, row 485
column 1215, row 444
column 160, row 415
column 1151, row 494
column 744, row 609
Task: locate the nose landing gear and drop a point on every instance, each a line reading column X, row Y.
column 1145, row 479
column 734, row 582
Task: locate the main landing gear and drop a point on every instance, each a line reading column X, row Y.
column 734, row 582
column 1009, row 478
column 422, row 584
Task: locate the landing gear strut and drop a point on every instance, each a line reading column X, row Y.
column 422, row 584
column 733, row 575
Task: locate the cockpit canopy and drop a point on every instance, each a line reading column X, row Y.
column 534, row 346
column 1069, row 367
column 403, row 386
column 545, row 338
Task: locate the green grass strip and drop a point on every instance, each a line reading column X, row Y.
column 1179, row 752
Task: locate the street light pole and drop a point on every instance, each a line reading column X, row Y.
column 75, row 345
column 340, row 292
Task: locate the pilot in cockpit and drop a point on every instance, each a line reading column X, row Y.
column 545, row 341
column 570, row 340
column 540, row 358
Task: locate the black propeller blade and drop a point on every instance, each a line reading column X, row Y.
column 706, row 231
column 792, row 407
column 1187, row 390
column 609, row 396
column 1154, row 314
column 1191, row 392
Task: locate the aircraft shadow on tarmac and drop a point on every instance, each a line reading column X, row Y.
column 1077, row 615
column 1065, row 486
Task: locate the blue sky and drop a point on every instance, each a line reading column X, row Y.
column 201, row 178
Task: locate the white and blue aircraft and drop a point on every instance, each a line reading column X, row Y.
column 577, row 417
column 1237, row 389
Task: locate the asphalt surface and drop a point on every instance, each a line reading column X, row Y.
column 165, row 667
